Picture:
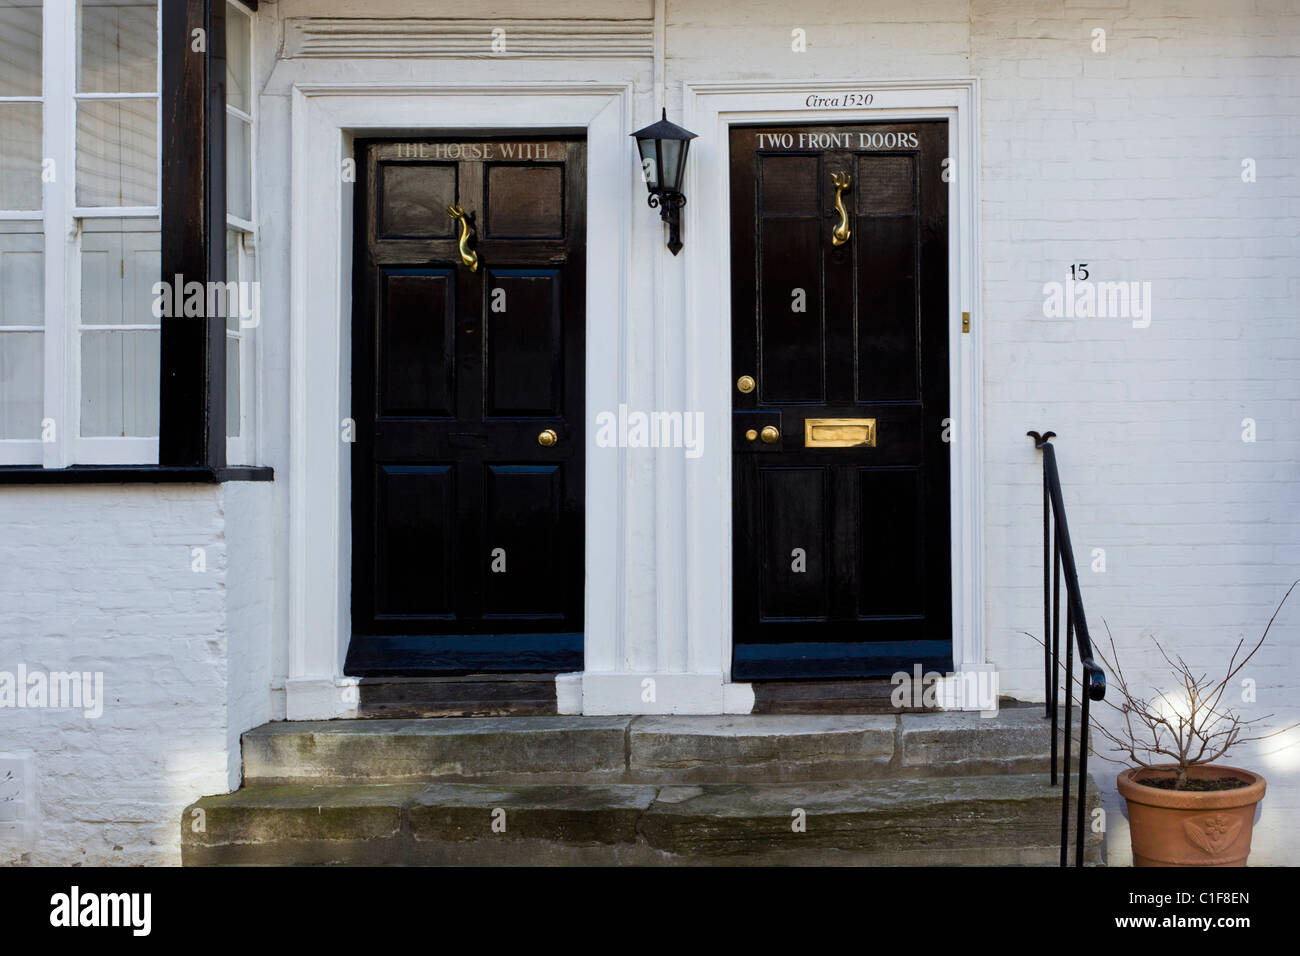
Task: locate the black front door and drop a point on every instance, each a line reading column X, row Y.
column 467, row 390
column 839, row 432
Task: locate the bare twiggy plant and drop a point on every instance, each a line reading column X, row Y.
column 1184, row 728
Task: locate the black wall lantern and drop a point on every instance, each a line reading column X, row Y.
column 663, row 147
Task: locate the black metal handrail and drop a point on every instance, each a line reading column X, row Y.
column 1058, row 555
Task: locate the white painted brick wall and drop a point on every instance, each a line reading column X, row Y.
column 98, row 578
column 1130, row 160
column 250, row 614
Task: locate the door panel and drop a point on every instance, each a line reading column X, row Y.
column 841, row 551
column 468, row 531
column 792, row 363
column 891, row 508
column 887, row 360
column 416, row 540
column 794, row 506
column 417, row 359
column 525, row 201
column 790, row 186
column 413, row 200
column 524, row 343
column 885, row 185
column 523, row 512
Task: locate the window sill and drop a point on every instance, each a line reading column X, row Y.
column 131, row 474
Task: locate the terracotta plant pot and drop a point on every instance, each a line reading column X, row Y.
column 1190, row 828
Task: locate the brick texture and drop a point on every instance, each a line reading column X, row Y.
column 101, row 579
column 1130, row 160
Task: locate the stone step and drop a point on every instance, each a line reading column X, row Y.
column 491, row 695
column 985, row 820
column 655, row 750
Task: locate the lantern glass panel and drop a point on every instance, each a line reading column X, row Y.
column 649, row 162
column 674, row 152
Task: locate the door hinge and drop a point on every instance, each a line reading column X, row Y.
column 965, row 321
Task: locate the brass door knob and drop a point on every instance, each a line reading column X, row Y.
column 751, row 434
column 547, row 438
column 769, row 434
column 745, row 384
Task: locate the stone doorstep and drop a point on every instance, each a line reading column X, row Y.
column 483, row 695
column 717, row 749
column 1010, row 819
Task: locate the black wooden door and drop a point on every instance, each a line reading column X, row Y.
column 467, row 390
column 840, row 454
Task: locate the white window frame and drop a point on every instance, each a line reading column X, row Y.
column 62, row 221
column 26, row 451
column 99, row 450
column 63, row 444
column 241, row 450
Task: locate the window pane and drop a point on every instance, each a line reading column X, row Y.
column 117, row 149
column 232, row 386
column 20, row 155
column 22, row 278
column 22, row 378
column 20, row 48
column 234, row 342
column 119, row 384
column 238, row 72
column 118, row 47
column 239, row 181
column 118, row 272
column 232, row 275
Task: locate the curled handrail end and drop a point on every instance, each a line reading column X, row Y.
column 1095, row 678
column 1041, row 440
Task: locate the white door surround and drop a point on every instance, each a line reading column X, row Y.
column 678, row 307
column 326, row 118
column 709, row 109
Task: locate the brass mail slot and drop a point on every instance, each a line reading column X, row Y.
column 839, row 433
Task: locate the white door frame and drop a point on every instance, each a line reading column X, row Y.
column 709, row 109
column 326, row 117
column 690, row 649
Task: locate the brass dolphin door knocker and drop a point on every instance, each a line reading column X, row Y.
column 467, row 255
column 842, row 184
